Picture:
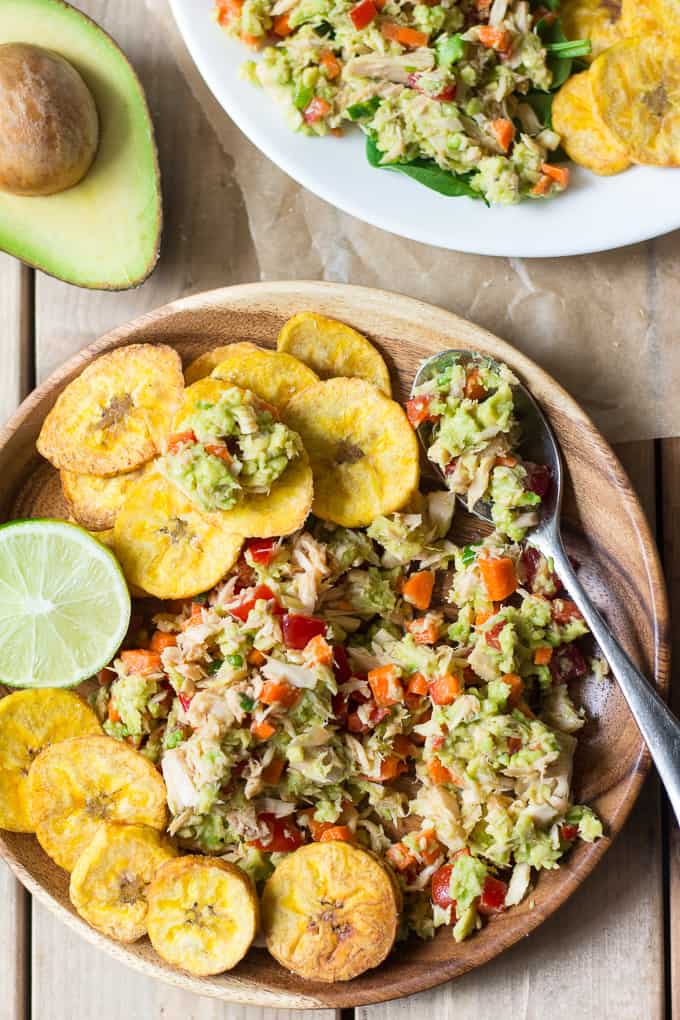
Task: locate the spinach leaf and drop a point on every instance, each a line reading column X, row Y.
column 425, row 172
column 561, row 51
column 541, row 104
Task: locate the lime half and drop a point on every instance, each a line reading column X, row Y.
column 64, row 604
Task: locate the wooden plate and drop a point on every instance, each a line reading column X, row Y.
column 606, row 530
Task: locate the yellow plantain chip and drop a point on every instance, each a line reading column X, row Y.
column 597, row 20
column 77, row 784
column 363, row 452
column 30, row 721
column 203, row 914
column 636, row 92
column 584, row 137
column 112, row 875
column 333, row 349
column 640, row 17
column 330, row 912
column 271, row 375
column 169, row 548
column 95, row 500
column 204, row 364
column 114, row 416
column 281, row 511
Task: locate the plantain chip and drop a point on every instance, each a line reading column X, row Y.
column 281, row 511
column 584, row 137
column 77, row 784
column 114, row 416
column 330, row 912
column 641, row 18
column 597, row 20
column 203, row 914
column 363, row 452
column 333, row 349
column 636, row 92
column 166, row 546
column 271, row 375
column 94, row 500
column 110, row 880
column 30, row 721
column 204, row 364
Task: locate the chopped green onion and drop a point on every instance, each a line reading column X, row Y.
column 235, row 660
column 470, row 553
column 367, row 109
column 247, row 704
column 571, row 48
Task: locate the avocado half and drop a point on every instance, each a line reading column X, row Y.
column 105, row 232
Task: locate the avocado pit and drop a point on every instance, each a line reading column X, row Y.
column 49, row 127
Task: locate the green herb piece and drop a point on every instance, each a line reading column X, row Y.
column 214, row 667
column 247, row 704
column 359, row 110
column 469, row 554
column 235, row 660
column 324, row 29
column 561, row 57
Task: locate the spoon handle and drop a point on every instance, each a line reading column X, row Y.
column 657, row 724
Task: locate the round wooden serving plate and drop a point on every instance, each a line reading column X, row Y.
column 606, row 529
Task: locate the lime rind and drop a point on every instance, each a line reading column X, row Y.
column 64, row 604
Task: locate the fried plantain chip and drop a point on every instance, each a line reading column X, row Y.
column 271, row 375
column 584, row 137
column 363, row 452
column 77, row 784
column 636, row 92
column 597, row 20
column 333, row 349
column 204, row 364
column 166, row 546
column 650, row 16
column 95, row 500
column 330, row 912
column 203, row 914
column 113, row 417
column 30, row 721
column 281, row 511
column 111, row 877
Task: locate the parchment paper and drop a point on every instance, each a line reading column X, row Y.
column 603, row 325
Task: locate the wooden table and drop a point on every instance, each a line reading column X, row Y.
column 610, row 952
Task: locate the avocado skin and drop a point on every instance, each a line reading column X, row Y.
column 104, row 233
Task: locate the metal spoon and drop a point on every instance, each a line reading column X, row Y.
column 657, row 724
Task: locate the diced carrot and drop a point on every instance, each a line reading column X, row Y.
column 495, row 38
column 400, row 857
column 391, row 768
column 179, row 439
column 425, row 629
column 272, row 772
column 445, row 689
column 406, row 36
column 417, row 589
column 341, row 833
column 559, row 174
column 543, row 655
column 114, row 715
column 263, row 730
column 402, row 746
column 507, row 461
column 417, row 684
column 142, row 661
column 256, row 657
column 437, row 772
column 317, row 650
column 317, row 110
column 516, row 685
column 386, row 685
column 499, row 576
column 282, row 25
column 254, row 41
column 331, row 64
column 481, row 618
column 228, row 11
column 473, row 387
column 317, row 829
column 161, row 640
column 542, row 186
column 278, row 692
column 219, row 451
column 504, row 131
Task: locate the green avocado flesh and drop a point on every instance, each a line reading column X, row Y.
column 104, row 233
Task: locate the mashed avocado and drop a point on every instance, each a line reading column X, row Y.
column 228, row 450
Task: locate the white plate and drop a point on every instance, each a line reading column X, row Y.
column 596, row 213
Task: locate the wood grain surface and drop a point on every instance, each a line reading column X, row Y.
column 620, row 565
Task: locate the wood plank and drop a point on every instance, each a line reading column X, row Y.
column 601, row 955
column 15, row 298
column 670, row 474
column 205, row 225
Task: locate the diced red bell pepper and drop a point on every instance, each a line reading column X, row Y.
column 179, row 439
column 185, row 700
column 441, row 886
column 564, row 611
column 539, row 478
column 298, row 629
column 261, row 550
column 261, row 593
column 491, row 636
column 568, row 663
column 363, row 14
column 568, row 832
column 341, row 666
column 284, row 835
column 418, row 408
column 492, row 900
column 447, row 94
